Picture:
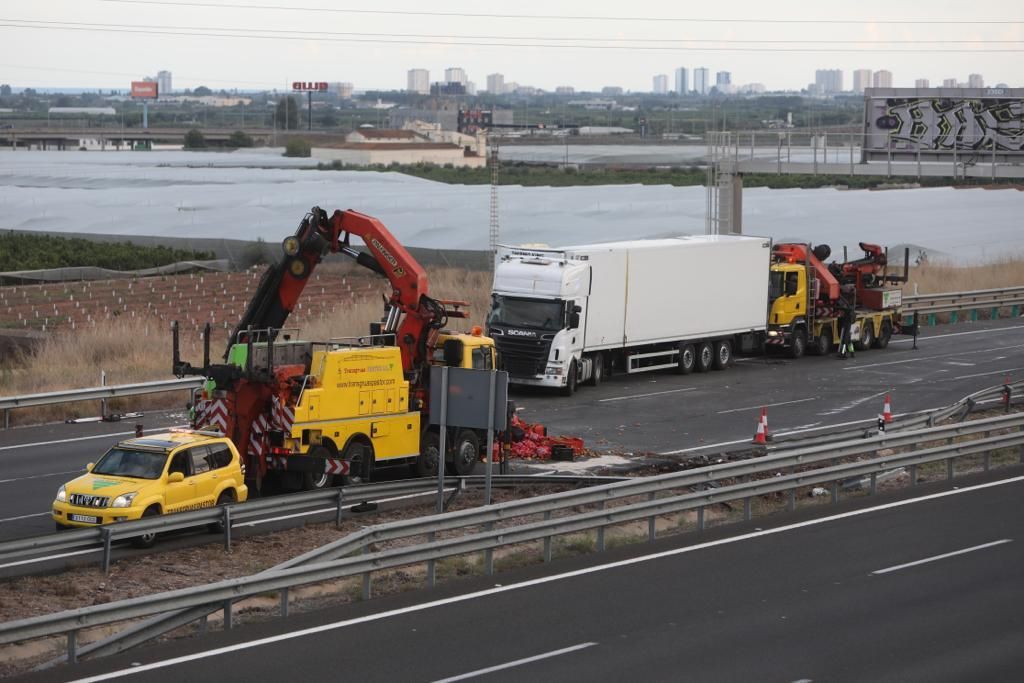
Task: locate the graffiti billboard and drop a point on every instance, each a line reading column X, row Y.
column 942, row 123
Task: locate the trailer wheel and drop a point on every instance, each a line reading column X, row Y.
column 883, row 338
column 597, row 369
column 798, row 343
column 315, row 482
column 687, row 359
column 467, row 453
column 570, row 383
column 823, row 344
column 723, row 354
column 867, row 338
column 705, row 357
column 429, row 457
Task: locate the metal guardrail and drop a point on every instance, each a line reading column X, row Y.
column 948, row 302
column 637, row 499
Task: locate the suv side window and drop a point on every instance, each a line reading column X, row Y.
column 181, row 462
column 199, row 463
column 219, row 455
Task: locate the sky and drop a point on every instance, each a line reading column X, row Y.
column 266, row 44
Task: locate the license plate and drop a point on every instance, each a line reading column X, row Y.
column 84, row 518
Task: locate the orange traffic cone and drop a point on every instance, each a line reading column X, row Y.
column 887, row 410
column 759, row 436
column 764, row 421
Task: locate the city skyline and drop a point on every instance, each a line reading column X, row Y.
column 222, row 45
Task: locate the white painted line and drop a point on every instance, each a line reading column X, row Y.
column 982, row 374
column 259, row 643
column 925, row 358
column 656, row 393
column 767, row 405
column 51, row 557
column 935, row 558
column 42, row 476
column 35, row 514
column 710, row 445
column 515, row 663
column 966, row 365
column 957, row 334
column 854, row 403
column 84, row 438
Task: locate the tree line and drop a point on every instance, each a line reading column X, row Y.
column 22, row 251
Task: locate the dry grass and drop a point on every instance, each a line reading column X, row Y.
column 934, row 277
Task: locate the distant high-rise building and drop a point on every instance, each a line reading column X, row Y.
column 163, row 82
column 419, row 81
column 660, row 84
column 829, row 80
column 861, row 80
column 565, row 90
column 949, row 83
column 470, row 87
column 682, row 80
column 344, row 90
column 882, row 79
column 975, row 81
column 723, row 78
column 611, row 91
column 455, row 74
column 922, row 83
column 496, row 84
column 702, row 81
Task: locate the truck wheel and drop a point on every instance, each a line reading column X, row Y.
column 359, row 456
column 570, row 384
column 597, row 369
column 723, row 355
column 315, row 482
column 467, row 453
column 823, row 344
column 867, row 338
column 430, row 451
column 687, row 359
column 883, row 338
column 798, row 343
column 147, row 540
column 705, row 357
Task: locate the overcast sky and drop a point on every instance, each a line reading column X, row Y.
column 107, row 43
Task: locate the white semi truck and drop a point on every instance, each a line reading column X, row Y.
column 560, row 317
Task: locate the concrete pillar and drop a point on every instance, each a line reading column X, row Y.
column 730, row 203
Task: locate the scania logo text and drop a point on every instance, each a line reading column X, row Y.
column 521, row 333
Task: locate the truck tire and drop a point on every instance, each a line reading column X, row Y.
column 430, row 455
column 867, row 338
column 315, row 482
column 597, row 369
column 723, row 354
column 467, row 453
column 705, row 357
column 822, row 346
column 570, row 383
column 687, row 359
column 359, row 456
column 798, row 343
column 882, row 340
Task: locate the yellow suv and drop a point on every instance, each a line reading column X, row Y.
column 153, row 475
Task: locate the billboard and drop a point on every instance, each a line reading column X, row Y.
column 940, row 123
column 309, row 86
column 144, row 90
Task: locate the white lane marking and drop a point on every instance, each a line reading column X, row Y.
column 854, row 403
column 84, row 438
column 656, row 393
column 534, row 582
column 515, row 663
column 767, row 405
column 925, row 358
column 34, row 514
column 51, row 557
column 957, row 334
column 41, row 476
column 944, row 556
column 966, row 365
column 982, row 374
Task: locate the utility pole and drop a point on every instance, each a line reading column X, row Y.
column 494, row 164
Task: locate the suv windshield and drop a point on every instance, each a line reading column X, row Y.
column 536, row 313
column 120, row 462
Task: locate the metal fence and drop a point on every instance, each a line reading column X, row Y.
column 540, row 519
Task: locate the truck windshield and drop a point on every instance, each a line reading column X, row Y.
column 535, row 313
column 120, row 462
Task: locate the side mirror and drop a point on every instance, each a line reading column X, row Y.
column 574, row 321
column 88, row 468
column 175, row 477
column 453, row 353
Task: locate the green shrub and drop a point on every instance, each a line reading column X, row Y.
column 240, row 139
column 194, row 139
column 297, row 147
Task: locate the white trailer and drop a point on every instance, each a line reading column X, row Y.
column 576, row 314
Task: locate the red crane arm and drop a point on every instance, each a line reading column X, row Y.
column 800, row 253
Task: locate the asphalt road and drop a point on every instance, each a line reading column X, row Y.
column 906, row 588
column 647, row 413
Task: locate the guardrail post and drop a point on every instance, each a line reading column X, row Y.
column 204, row 625
column 489, row 553
column 227, row 615
column 913, row 475
column 652, row 530
column 284, row 602
column 791, row 505
column 974, row 315
column 72, row 646
column 341, row 504
column 547, row 539
column 953, row 318
column 835, row 492
column 600, row 529
column 994, row 313
column 7, row 418
column 746, row 509
column 225, row 515
column 105, row 534
column 986, row 461
column 367, row 586
column 431, row 564
column 700, row 518
column 949, row 469
column 874, row 483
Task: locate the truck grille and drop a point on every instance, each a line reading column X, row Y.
column 88, row 501
column 523, row 357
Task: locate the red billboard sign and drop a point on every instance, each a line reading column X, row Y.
column 144, row 90
column 310, row 86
